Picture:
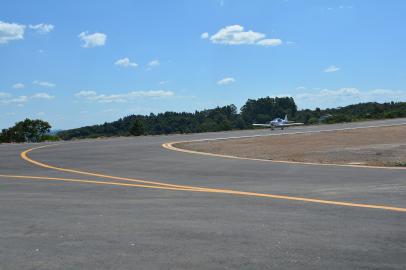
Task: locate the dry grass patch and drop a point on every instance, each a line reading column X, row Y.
column 382, row 146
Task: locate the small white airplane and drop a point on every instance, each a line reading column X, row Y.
column 279, row 123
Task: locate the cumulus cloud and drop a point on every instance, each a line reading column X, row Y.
column 86, row 93
column 270, row 42
column 92, row 40
column 152, row 64
column 7, row 98
column 42, row 96
column 388, row 92
column 93, row 96
column 10, row 32
column 344, row 96
column 235, row 35
column 204, row 35
column 4, row 95
column 44, row 84
column 20, row 99
column 226, row 80
column 18, row 86
column 42, row 28
column 125, row 62
column 331, row 69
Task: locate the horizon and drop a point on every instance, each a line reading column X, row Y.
column 157, row 56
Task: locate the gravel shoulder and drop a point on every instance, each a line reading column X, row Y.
column 380, row 146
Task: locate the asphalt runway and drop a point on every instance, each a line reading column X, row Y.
column 103, row 208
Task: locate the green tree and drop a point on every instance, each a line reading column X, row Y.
column 137, row 128
column 265, row 109
column 26, row 131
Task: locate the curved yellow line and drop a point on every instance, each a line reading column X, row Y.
column 25, row 157
column 160, row 185
column 88, row 181
column 230, row 192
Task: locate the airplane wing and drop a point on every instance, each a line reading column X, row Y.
column 262, row 125
column 293, row 124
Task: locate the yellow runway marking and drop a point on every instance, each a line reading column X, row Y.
column 166, row 186
column 88, row 181
column 223, row 191
column 25, row 157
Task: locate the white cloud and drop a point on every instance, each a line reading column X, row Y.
column 42, row 96
column 386, row 92
column 344, row 96
column 331, row 69
column 44, row 84
column 92, row 40
column 226, row 80
column 11, row 31
column 121, row 98
column 20, row 99
column 163, row 82
column 18, row 86
column 204, row 35
column 235, row 35
column 125, row 62
column 340, row 92
column 42, row 28
column 40, row 114
column 86, row 94
column 6, row 98
column 270, row 42
column 154, row 63
column 152, row 93
column 4, row 95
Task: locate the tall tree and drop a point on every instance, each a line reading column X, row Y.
column 26, row 131
column 137, row 128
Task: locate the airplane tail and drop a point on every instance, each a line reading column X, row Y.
column 286, row 118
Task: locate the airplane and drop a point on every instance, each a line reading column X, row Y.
column 279, row 123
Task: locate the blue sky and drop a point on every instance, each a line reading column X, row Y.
column 76, row 63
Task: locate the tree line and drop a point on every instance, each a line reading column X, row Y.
column 224, row 118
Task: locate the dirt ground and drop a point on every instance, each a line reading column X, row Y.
column 384, row 146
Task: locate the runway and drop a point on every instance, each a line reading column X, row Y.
column 129, row 203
